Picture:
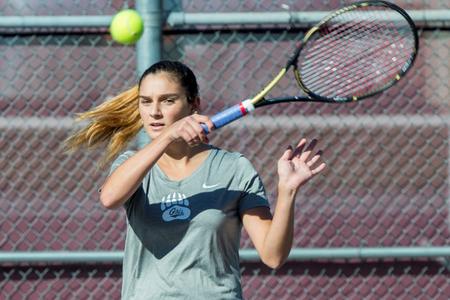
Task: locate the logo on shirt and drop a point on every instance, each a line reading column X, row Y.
column 206, row 186
column 175, row 206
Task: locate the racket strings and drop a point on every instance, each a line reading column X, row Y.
column 387, row 68
column 337, row 57
column 327, row 49
column 339, row 31
column 321, row 50
column 371, row 75
column 345, row 73
column 355, row 55
column 332, row 32
column 360, row 80
column 356, row 73
column 366, row 84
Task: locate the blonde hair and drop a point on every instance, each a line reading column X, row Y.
column 117, row 121
column 113, row 123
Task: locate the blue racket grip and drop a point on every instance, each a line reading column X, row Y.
column 229, row 115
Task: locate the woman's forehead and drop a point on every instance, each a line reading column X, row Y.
column 160, row 82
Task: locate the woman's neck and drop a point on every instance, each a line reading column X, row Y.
column 181, row 154
column 180, row 162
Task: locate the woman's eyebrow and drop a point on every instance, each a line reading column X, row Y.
column 170, row 95
column 145, row 97
column 163, row 96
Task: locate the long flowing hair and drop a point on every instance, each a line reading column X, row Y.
column 117, row 121
column 113, row 124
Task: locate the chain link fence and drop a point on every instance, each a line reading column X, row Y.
column 387, row 182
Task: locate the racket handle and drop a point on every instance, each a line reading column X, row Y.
column 230, row 114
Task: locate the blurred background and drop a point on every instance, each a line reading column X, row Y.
column 375, row 225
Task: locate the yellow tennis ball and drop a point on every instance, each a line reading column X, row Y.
column 126, row 27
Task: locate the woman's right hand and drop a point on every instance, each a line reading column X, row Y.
column 189, row 130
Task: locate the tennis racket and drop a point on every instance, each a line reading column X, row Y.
column 354, row 53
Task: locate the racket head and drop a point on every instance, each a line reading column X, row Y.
column 354, row 53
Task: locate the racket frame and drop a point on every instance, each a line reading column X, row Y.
column 259, row 100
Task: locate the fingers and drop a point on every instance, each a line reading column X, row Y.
column 299, row 148
column 287, row 155
column 318, row 169
column 314, row 159
column 309, row 149
column 205, row 120
column 304, row 152
column 192, row 132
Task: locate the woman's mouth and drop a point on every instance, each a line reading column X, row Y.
column 156, row 126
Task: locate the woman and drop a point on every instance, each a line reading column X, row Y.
column 186, row 201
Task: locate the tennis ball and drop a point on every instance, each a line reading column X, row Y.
column 126, row 27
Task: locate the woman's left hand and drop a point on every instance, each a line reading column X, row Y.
column 297, row 166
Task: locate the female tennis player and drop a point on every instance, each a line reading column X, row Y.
column 185, row 200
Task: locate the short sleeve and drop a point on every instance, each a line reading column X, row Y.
column 252, row 187
column 120, row 160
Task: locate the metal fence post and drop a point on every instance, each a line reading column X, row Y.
column 148, row 48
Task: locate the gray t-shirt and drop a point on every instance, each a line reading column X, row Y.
column 183, row 236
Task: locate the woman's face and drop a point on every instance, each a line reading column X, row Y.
column 162, row 102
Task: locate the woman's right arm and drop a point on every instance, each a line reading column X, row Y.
column 125, row 179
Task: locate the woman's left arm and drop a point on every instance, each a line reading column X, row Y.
column 273, row 235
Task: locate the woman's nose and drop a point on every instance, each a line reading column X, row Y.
column 155, row 110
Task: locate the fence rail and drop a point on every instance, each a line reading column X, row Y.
column 246, row 255
column 424, row 19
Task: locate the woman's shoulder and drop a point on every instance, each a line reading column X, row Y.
column 230, row 157
column 233, row 164
column 125, row 155
column 122, row 158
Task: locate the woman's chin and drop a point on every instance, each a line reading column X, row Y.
column 153, row 133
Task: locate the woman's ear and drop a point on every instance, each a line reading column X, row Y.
column 195, row 106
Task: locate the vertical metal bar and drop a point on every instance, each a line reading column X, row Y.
column 148, row 48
